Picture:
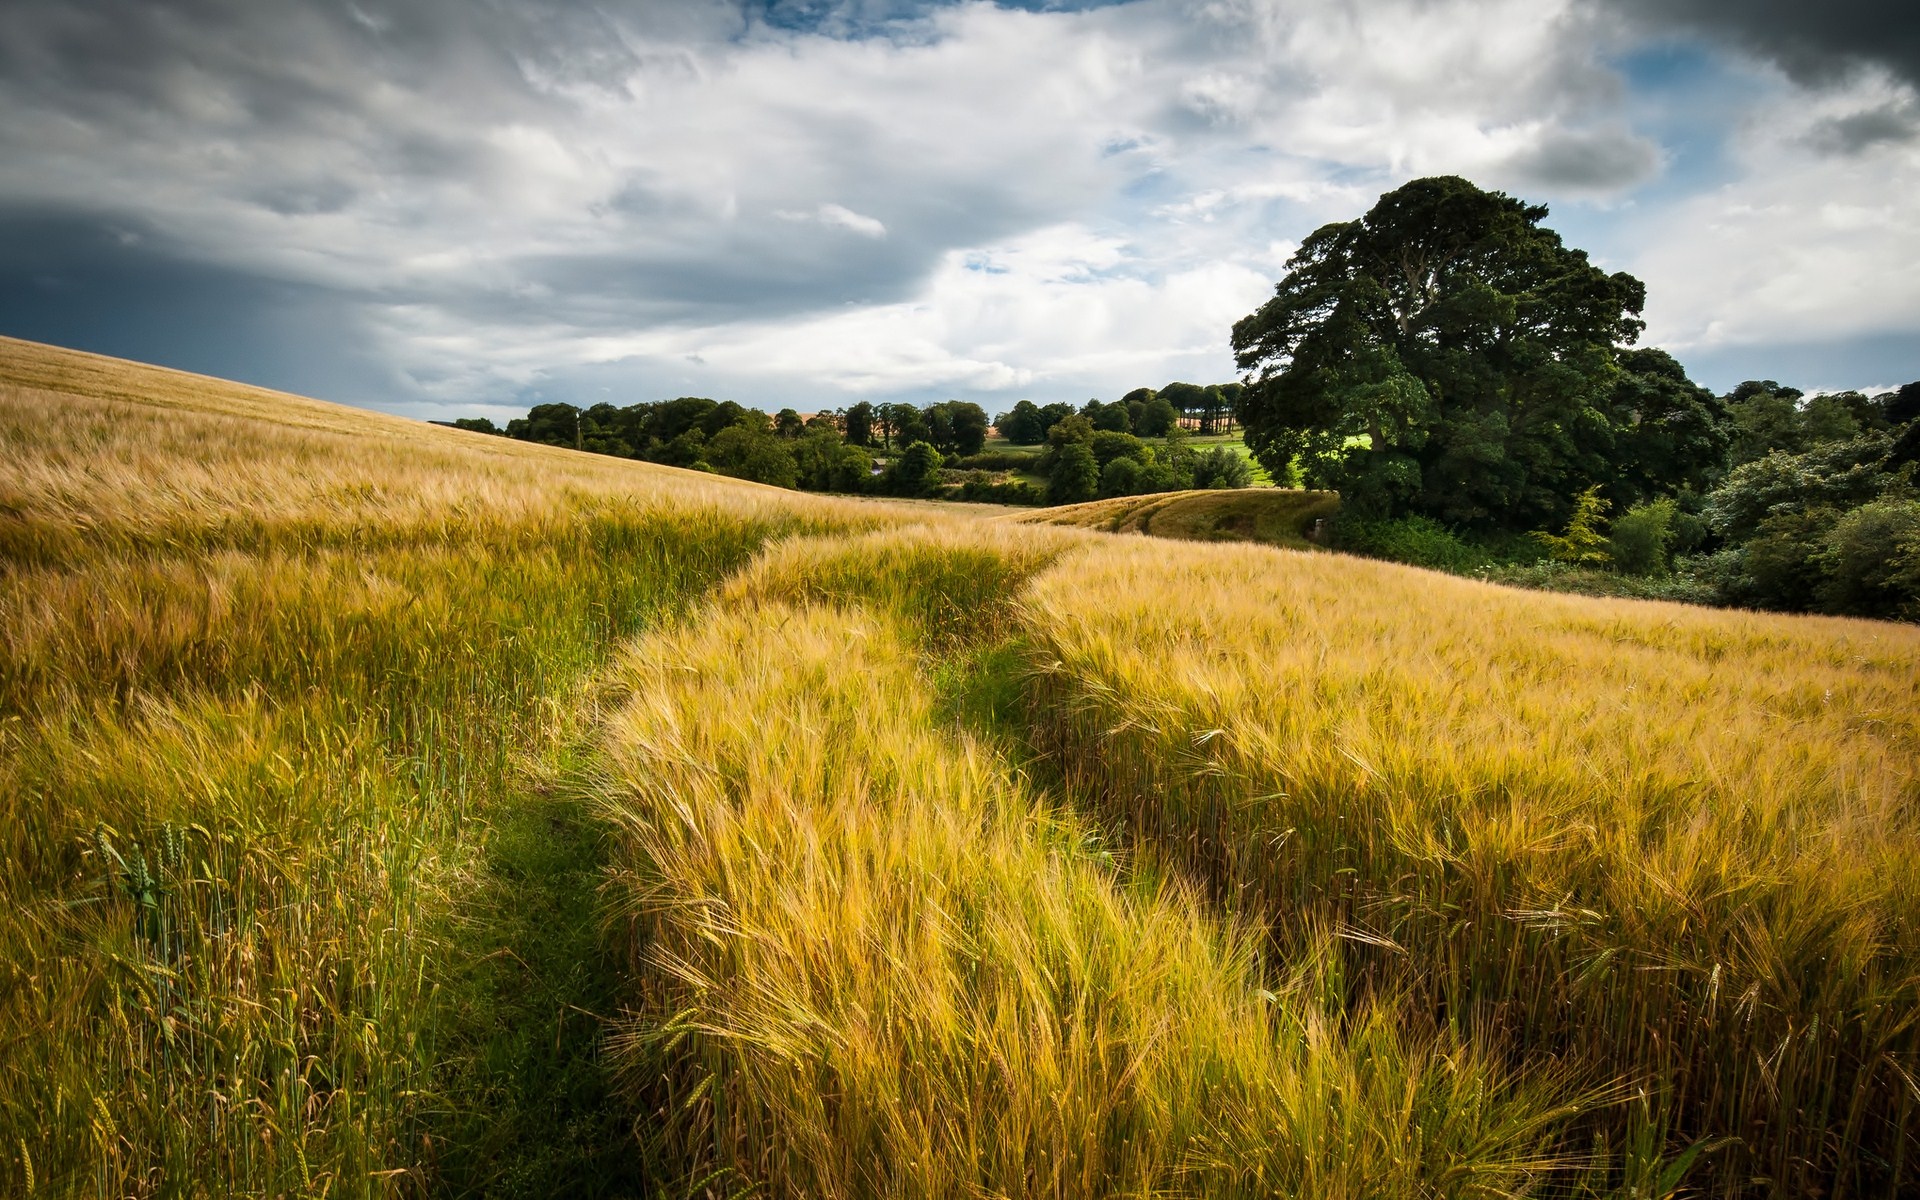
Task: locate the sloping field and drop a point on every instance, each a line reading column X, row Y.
column 1273, row 516
column 395, row 811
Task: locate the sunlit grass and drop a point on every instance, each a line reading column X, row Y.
column 359, row 776
column 1673, row 846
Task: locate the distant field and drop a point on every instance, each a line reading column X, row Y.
column 394, row 811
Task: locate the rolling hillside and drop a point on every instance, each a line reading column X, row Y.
column 394, row 811
column 1272, row 516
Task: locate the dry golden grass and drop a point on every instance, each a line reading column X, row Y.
column 871, row 961
column 266, row 666
column 948, row 856
column 1675, row 845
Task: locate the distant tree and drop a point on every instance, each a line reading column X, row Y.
column 1075, row 476
column 1768, row 417
column 1072, row 428
column 787, row 424
column 859, row 425
column 969, row 426
column 687, row 449
column 1121, row 477
column 1053, row 414
column 1226, row 400
column 548, row 424
column 476, row 425
column 852, row 470
column 814, row 456
column 1444, row 355
column 1111, row 417
column 916, row 472
column 727, row 413
column 1108, row 445
column 748, row 453
column 675, row 417
column 939, row 421
column 1155, row 417
column 1022, row 425
column 1189, row 400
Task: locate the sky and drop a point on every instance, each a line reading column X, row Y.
column 451, row 208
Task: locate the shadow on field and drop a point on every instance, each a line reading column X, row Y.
column 531, row 1107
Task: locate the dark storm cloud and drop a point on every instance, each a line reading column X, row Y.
column 1861, row 131
column 107, row 286
column 1812, row 39
column 1589, row 161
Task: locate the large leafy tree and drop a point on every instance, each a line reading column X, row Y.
column 1443, row 355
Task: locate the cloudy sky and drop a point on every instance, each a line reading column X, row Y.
column 460, row 207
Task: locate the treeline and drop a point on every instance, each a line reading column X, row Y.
column 1143, row 411
column 905, row 450
column 851, row 450
column 1800, row 504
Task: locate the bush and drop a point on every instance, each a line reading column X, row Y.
column 1417, row 541
column 1642, row 538
column 985, row 491
column 1221, row 467
column 1871, row 561
column 997, row 460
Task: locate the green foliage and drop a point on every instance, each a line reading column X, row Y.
column 747, row 453
column 1076, row 474
column 1641, row 538
column 1582, row 544
column 851, row 470
column 916, row 472
column 1871, row 561
column 859, row 424
column 1444, row 355
column 1669, row 433
column 1070, row 429
column 1415, row 540
column 1108, row 445
column 1022, row 425
column 1221, row 467
column 1120, row 477
column 1114, row 417
column 1156, row 417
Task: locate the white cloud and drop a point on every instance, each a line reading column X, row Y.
column 1804, row 245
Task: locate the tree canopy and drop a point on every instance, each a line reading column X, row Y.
column 1443, row 355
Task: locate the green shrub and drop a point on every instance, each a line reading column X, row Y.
column 1417, row 541
column 1642, row 538
column 1220, row 467
column 1871, row 561
column 1582, row 544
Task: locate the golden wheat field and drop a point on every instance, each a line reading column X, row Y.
column 397, row 811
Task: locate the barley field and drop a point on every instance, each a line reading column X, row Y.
column 396, row 811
